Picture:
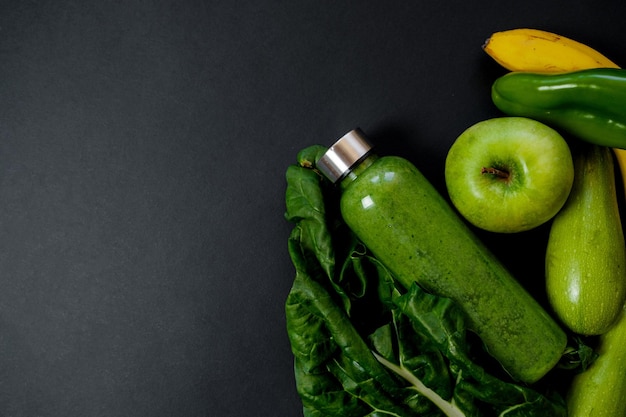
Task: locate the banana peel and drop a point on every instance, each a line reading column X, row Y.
column 535, row 50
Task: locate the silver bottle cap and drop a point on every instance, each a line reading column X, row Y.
column 343, row 155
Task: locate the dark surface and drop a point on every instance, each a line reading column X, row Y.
column 143, row 145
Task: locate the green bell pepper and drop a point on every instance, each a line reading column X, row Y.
column 588, row 104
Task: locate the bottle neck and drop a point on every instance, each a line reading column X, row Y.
column 357, row 169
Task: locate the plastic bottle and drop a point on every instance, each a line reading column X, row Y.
column 409, row 227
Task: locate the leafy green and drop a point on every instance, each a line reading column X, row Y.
column 365, row 346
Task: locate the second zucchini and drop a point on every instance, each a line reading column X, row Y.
column 586, row 255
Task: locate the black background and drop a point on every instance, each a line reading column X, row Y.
column 143, row 145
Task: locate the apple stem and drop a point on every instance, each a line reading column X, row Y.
column 495, row 171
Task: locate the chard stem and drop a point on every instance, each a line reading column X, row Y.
column 448, row 408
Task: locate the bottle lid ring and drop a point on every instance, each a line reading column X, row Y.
column 343, row 155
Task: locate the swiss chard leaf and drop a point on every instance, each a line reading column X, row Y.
column 305, row 207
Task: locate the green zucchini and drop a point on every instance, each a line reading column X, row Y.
column 586, row 256
column 599, row 391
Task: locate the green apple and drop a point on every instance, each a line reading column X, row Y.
column 509, row 174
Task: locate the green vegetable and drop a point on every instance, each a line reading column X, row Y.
column 588, row 104
column 586, row 255
column 364, row 345
column 599, row 391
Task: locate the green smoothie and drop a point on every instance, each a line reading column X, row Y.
column 409, row 227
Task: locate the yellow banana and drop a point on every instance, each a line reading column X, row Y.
column 534, row 50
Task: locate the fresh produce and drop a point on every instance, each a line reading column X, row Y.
column 509, row 174
column 588, row 104
column 367, row 342
column 364, row 345
column 534, row 50
column 575, row 101
column 599, row 391
column 586, row 255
